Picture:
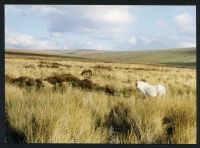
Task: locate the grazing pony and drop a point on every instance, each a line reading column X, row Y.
column 150, row 90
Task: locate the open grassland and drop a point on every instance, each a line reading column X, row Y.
column 185, row 57
column 181, row 57
column 47, row 100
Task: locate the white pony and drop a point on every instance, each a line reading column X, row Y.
column 150, row 90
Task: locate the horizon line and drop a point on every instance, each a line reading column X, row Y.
column 57, row 49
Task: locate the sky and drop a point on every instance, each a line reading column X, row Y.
column 99, row 27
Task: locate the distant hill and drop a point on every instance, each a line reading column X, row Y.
column 77, row 51
column 58, row 51
column 180, row 56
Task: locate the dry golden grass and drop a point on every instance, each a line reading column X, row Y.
column 74, row 115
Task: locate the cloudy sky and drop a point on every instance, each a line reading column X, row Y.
column 99, row 27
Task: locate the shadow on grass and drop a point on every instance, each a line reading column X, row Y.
column 13, row 135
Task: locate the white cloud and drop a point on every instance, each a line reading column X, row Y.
column 19, row 40
column 91, row 19
column 57, row 35
column 185, row 21
column 103, row 27
column 15, row 9
column 45, row 9
column 29, row 9
column 12, row 8
column 132, row 40
column 101, row 22
column 188, row 44
column 110, row 14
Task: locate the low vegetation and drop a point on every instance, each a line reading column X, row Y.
column 45, row 104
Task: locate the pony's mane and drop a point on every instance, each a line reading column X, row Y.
column 143, row 80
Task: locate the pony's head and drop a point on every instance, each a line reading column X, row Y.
column 139, row 83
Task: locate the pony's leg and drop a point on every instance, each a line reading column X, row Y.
column 164, row 92
column 161, row 94
column 145, row 96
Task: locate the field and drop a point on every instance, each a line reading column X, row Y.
column 185, row 57
column 180, row 56
column 47, row 100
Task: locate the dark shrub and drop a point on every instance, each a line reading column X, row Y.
column 76, row 82
column 39, row 83
column 41, row 65
column 8, row 79
column 53, row 66
column 87, row 84
column 62, row 78
column 56, row 64
column 29, row 66
column 24, row 81
column 66, row 65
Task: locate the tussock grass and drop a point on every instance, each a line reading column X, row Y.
column 68, row 114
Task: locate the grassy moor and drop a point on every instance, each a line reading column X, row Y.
column 92, row 97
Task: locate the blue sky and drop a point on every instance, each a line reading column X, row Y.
column 99, row 27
